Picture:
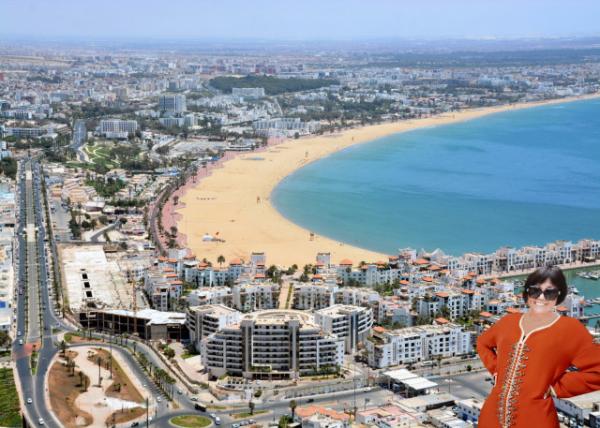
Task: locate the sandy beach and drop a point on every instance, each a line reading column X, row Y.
column 232, row 201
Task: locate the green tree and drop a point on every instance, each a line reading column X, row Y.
column 293, row 406
column 251, row 406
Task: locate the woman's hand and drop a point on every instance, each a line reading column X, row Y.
column 549, row 392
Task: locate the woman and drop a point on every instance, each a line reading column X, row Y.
column 528, row 355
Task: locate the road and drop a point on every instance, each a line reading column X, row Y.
column 33, row 276
column 35, row 301
column 99, row 233
column 79, row 137
column 32, row 289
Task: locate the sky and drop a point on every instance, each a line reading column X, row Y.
column 299, row 19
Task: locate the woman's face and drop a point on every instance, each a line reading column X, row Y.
column 540, row 304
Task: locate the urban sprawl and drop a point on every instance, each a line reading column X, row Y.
column 92, row 147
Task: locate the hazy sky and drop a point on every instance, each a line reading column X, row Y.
column 299, row 19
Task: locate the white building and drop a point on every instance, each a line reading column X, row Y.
column 202, row 321
column 117, row 128
column 352, row 323
column 468, row 409
column 274, row 344
column 412, row 344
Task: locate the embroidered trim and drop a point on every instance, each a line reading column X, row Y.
column 513, row 379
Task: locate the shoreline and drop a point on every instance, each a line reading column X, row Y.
column 231, row 199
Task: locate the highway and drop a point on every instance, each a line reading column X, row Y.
column 35, row 301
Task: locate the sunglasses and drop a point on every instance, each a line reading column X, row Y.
column 549, row 293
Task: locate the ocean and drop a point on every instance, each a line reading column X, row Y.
column 515, row 178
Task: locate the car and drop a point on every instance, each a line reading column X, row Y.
column 217, row 421
column 20, row 341
column 244, row 423
column 235, row 426
column 135, row 424
column 179, row 391
column 251, row 421
column 194, row 398
column 29, row 400
column 19, row 333
column 41, row 421
column 158, row 399
column 212, row 415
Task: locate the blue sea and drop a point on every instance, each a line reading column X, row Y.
column 521, row 177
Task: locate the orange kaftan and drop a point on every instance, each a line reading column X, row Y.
column 526, row 366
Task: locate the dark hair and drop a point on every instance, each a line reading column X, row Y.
column 540, row 275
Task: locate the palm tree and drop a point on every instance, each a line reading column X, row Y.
column 80, row 378
column 293, row 406
column 63, row 347
column 251, row 406
column 220, row 260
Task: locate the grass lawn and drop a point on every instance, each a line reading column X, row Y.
column 188, row 354
column 190, row 421
column 247, row 414
column 100, row 155
column 9, row 400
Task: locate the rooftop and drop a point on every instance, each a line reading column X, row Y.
column 92, row 280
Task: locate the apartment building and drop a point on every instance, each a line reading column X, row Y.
column 412, row 344
column 352, row 323
column 202, row 321
column 272, row 344
column 210, row 296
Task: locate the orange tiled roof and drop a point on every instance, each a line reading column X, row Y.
column 427, row 279
column 441, row 320
column 235, row 262
column 378, row 329
column 421, row 262
column 346, row 262
column 485, row 314
column 442, row 294
column 513, row 311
